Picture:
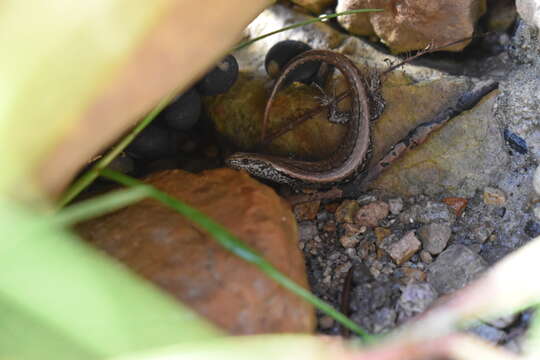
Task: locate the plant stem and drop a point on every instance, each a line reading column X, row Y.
column 302, row 23
column 100, row 205
column 89, row 177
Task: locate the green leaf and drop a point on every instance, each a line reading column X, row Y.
column 60, row 298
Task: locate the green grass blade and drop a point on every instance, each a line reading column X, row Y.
column 87, row 178
column 231, row 243
column 99, row 205
column 303, row 23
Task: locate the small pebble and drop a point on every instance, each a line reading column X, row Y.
column 369, row 215
column 349, row 241
column 346, row 211
column 416, row 297
column 381, row 233
column 307, row 230
column 402, row 249
column 434, row 237
column 330, row 226
column 426, row 257
column 532, row 228
column 482, row 232
column 396, row 205
column 457, row 204
column 412, row 274
column 428, row 212
column 494, row 196
column 353, row 229
column 307, row 210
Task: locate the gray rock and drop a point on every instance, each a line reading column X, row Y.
column 383, row 320
column 307, row 230
column 428, row 212
column 416, row 298
column 349, row 241
column 488, row 333
column 482, row 232
column 426, row 257
column 396, row 204
column 529, row 10
column 454, row 268
column 435, row 237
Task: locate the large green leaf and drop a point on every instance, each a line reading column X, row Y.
column 61, row 299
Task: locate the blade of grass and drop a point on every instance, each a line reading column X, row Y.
column 231, row 243
column 100, row 205
column 303, row 23
column 88, row 177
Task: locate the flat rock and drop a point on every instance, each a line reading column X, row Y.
column 449, row 160
column 167, row 249
column 454, row 268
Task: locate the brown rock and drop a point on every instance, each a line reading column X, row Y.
column 458, row 204
column 369, row 215
column 184, row 260
column 494, row 196
column 346, row 211
column 412, row 25
column 315, row 6
column 349, row 241
column 307, row 210
column 401, row 250
column 414, row 275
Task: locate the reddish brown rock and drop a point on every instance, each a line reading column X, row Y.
column 406, row 25
column 458, row 204
column 369, row 215
column 181, row 258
